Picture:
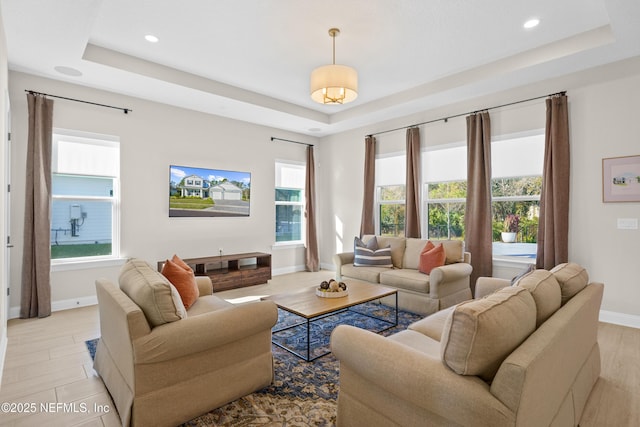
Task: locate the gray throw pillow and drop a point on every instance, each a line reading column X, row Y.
column 369, row 255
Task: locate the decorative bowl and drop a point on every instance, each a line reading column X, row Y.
column 328, row 294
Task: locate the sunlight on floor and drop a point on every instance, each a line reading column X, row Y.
column 248, row 298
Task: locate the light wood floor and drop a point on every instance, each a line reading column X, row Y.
column 47, row 362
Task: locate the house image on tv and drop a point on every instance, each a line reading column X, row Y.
column 225, row 191
column 194, row 186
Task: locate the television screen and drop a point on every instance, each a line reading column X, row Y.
column 198, row 192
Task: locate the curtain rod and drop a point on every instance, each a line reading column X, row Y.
column 33, row 92
column 446, row 119
column 273, row 138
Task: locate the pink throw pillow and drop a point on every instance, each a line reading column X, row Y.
column 184, row 281
column 432, row 256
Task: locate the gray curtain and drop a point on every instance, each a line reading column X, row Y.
column 311, row 254
column 36, row 259
column 553, row 227
column 477, row 217
column 412, row 208
column 367, row 223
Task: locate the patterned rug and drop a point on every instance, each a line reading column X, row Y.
column 303, row 393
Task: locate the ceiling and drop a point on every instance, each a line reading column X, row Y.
column 251, row 59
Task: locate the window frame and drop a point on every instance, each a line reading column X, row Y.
column 383, row 180
column 427, row 201
column 380, row 203
column 61, row 264
column 497, row 138
column 301, row 203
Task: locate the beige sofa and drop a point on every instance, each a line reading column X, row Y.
column 525, row 355
column 195, row 361
column 417, row 292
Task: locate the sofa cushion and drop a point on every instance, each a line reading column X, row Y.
column 523, row 273
column 418, row 341
column 545, row 290
column 368, row 256
column 480, row 334
column 572, row 279
column 431, row 257
column 368, row 274
column 397, row 245
column 405, row 278
column 208, row 303
column 432, row 325
column 152, row 292
column 412, row 251
column 184, row 281
column 454, row 250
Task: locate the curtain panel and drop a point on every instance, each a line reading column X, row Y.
column 553, row 225
column 36, row 258
column 412, row 208
column 477, row 218
column 367, row 223
column 311, row 254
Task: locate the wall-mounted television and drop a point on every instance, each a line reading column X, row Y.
column 199, row 192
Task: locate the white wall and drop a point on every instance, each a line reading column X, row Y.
column 3, row 247
column 152, row 137
column 604, row 106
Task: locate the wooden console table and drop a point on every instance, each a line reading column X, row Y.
column 232, row 271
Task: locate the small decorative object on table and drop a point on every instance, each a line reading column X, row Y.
column 332, row 289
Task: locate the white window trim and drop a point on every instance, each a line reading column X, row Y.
column 303, row 203
column 65, row 264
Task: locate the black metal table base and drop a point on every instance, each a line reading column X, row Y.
column 308, row 322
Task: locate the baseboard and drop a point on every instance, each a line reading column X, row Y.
column 3, row 352
column 14, row 312
column 330, row 267
column 621, row 319
column 298, row 268
column 287, row 270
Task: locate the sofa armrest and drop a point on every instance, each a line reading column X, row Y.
column 204, row 285
column 205, row 331
column 488, row 285
column 341, row 259
column 449, row 279
column 415, row 377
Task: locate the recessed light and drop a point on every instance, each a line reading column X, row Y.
column 68, row 71
column 151, row 38
column 531, row 23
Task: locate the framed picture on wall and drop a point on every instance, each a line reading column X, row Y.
column 621, row 179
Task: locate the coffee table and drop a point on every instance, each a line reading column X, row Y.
column 307, row 305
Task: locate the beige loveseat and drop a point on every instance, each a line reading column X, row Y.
column 417, row 292
column 191, row 363
column 525, row 355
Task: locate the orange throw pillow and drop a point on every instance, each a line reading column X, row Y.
column 183, row 280
column 176, row 259
column 432, row 256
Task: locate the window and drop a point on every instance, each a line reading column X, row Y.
column 391, row 210
column 445, row 173
column 289, row 200
column 85, row 196
column 445, row 209
column 390, row 194
column 516, row 184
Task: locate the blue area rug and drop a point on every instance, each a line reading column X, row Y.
column 303, row 393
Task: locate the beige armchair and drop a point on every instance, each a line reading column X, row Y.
column 168, row 374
